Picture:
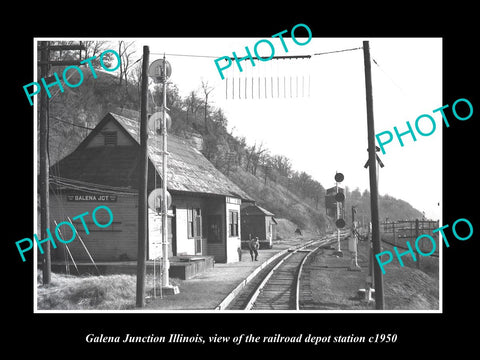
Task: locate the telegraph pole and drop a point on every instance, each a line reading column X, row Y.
column 44, row 173
column 378, row 276
column 142, row 190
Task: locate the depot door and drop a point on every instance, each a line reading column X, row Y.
column 198, row 231
column 172, row 233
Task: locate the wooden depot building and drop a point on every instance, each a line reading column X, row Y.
column 257, row 222
column 204, row 218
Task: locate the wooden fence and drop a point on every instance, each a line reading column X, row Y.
column 399, row 232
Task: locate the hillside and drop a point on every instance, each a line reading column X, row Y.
column 268, row 178
column 281, row 201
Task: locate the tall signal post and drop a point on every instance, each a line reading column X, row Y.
column 334, row 206
column 339, row 199
column 166, row 263
column 160, row 70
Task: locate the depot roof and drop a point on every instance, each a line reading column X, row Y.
column 118, row 166
column 254, row 209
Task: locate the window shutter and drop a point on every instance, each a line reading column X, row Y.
column 110, row 138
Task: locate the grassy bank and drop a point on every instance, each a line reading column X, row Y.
column 109, row 292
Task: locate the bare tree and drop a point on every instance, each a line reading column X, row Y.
column 206, row 90
column 94, row 49
column 126, row 53
column 253, row 157
column 260, row 158
column 192, row 103
column 136, row 76
column 267, row 166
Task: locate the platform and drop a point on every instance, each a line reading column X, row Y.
column 187, row 267
column 181, row 267
column 215, row 288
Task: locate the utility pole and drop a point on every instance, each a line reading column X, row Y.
column 142, row 190
column 44, row 173
column 44, row 165
column 378, row 276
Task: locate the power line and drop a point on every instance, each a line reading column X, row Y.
column 337, row 51
column 389, row 77
column 280, row 57
column 188, row 55
column 275, row 57
column 87, row 186
column 69, row 123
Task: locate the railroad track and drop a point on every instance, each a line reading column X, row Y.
column 277, row 286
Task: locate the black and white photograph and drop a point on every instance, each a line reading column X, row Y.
column 255, row 217
column 280, row 187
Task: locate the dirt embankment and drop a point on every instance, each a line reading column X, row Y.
column 331, row 285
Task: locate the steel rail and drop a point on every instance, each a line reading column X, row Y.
column 267, row 277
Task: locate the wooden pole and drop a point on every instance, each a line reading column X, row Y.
column 417, row 234
column 44, row 171
column 336, row 218
column 44, row 175
column 142, row 190
column 394, row 234
column 379, row 296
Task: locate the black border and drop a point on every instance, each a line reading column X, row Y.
column 416, row 332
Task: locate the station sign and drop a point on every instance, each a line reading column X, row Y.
column 93, row 197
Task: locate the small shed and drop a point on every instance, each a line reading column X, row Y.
column 257, row 222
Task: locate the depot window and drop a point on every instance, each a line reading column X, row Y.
column 233, row 223
column 190, row 223
column 194, row 222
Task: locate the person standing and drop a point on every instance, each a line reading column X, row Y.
column 253, row 246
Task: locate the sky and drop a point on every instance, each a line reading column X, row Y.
column 324, row 129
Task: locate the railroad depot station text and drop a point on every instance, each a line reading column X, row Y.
column 243, row 339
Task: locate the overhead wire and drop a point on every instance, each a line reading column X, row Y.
column 336, row 51
column 274, row 58
column 188, row 55
column 69, row 123
column 87, row 186
column 388, row 76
